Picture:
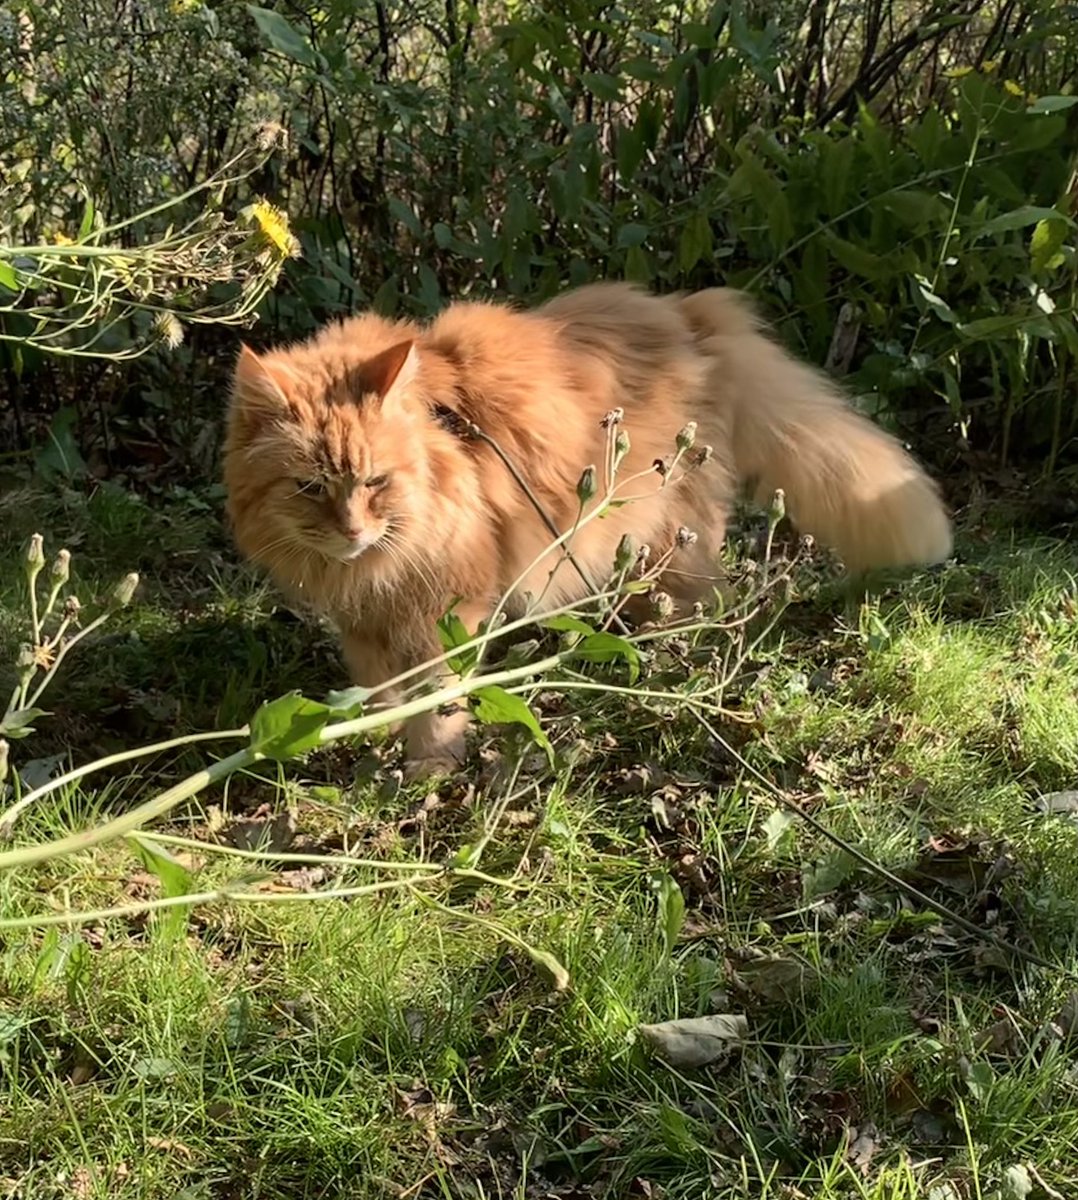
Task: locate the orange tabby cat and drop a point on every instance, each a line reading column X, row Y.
column 349, row 481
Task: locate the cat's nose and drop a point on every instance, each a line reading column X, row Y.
column 353, row 533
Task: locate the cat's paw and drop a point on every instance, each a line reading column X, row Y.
column 436, row 744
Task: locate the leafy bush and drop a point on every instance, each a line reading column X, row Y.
column 910, row 159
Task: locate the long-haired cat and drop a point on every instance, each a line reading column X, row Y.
column 349, row 480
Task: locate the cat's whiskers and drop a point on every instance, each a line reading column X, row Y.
column 409, row 561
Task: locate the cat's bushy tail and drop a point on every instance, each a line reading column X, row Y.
column 847, row 482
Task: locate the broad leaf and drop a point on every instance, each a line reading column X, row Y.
column 288, row 726
column 1021, row 218
column 454, row 633
column 496, row 706
column 671, row 912
column 348, row 703
column 175, row 881
column 1046, row 245
column 1049, row 104
column 20, row 723
column 608, row 647
column 282, row 35
column 8, row 278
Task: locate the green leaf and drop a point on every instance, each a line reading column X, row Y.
column 288, row 726
column 1020, row 218
column 19, row 723
column 605, row 87
column 60, row 457
column 283, row 36
column 778, row 828
column 913, row 208
column 175, row 880
column 695, row 242
column 632, row 234
column 671, row 912
column 567, row 624
column 348, row 703
column 402, row 212
column 630, row 151
column 174, row 876
column 8, row 278
column 87, row 226
column 936, row 303
column 855, row 259
column 496, row 706
column 385, row 299
column 987, row 327
column 1046, row 243
column 454, row 633
column 1049, row 104
column 637, row 265
column 608, row 647
column 154, row 1070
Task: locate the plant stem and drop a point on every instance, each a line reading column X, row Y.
column 62, row 653
column 330, row 860
column 9, row 816
column 27, row 855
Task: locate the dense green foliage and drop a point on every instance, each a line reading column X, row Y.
column 914, row 160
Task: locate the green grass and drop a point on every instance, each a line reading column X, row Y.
column 385, row 1048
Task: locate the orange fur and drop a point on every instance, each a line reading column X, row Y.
column 344, row 483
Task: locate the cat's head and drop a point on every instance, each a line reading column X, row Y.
column 322, row 457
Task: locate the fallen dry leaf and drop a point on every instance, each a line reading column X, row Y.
column 863, row 1145
column 170, row 1146
column 775, row 978
column 695, row 1041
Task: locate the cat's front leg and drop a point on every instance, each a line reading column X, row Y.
column 371, row 663
column 436, row 740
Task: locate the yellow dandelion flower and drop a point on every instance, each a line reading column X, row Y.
column 989, row 65
column 958, row 72
column 1010, row 86
column 61, row 239
column 273, row 225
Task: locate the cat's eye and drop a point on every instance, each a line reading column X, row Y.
column 315, row 488
column 376, row 481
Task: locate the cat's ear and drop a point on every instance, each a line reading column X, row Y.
column 259, row 383
column 388, row 374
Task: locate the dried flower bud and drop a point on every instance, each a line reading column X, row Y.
column 642, row 556
column 625, row 555
column 660, row 465
column 687, row 437
column 124, row 591
column 3, row 761
column 621, row 446
column 586, row 486
column 25, row 663
column 686, row 537
column 614, row 417
column 664, row 605
column 35, row 556
column 704, row 455
column 72, row 608
column 778, row 507
column 61, row 569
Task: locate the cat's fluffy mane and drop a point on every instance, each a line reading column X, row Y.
column 371, row 395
